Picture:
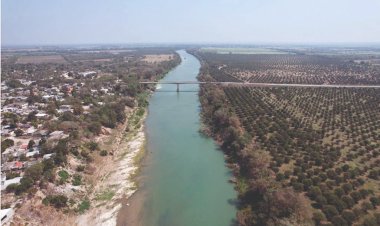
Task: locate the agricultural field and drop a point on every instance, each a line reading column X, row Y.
column 294, row 68
column 56, row 59
column 321, row 143
column 248, row 50
column 157, row 58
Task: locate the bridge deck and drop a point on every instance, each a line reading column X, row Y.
column 265, row 84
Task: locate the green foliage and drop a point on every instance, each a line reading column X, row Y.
column 31, row 144
column 34, row 172
column 95, row 127
column 349, row 216
column 318, row 217
column 11, row 188
column 58, row 201
column 25, row 184
column 11, row 175
column 80, row 168
column 92, row 145
column 77, row 180
column 330, row 211
column 19, row 132
column 14, row 83
column 83, row 206
column 105, row 196
column 6, row 144
column 64, row 175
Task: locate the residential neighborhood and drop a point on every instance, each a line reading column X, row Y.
column 54, row 118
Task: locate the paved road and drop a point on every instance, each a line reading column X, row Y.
column 265, row 84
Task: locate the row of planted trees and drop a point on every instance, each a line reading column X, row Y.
column 263, row 201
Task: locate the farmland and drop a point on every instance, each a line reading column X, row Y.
column 301, row 155
column 58, row 59
column 292, row 68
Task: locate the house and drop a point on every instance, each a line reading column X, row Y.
column 41, row 115
column 6, row 183
column 64, row 108
column 7, row 153
column 15, row 165
column 30, row 131
column 57, row 135
column 32, row 153
column 31, row 163
column 48, row 156
column 87, row 73
column 6, row 215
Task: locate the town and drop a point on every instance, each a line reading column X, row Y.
column 51, row 122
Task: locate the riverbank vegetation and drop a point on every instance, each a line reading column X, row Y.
column 82, row 102
column 301, row 156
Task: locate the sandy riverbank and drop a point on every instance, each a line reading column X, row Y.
column 114, row 180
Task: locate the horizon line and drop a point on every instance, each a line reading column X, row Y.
column 155, row 44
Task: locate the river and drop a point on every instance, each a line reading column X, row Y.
column 185, row 181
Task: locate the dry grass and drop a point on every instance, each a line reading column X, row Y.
column 58, row 59
column 157, row 58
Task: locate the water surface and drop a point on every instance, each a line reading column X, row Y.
column 186, row 180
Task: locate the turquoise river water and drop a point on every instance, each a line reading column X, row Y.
column 186, row 181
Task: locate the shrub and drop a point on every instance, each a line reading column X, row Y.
column 83, row 206
column 11, row 175
column 64, row 175
column 92, row 145
column 6, row 144
column 11, row 188
column 103, row 153
column 80, row 168
column 34, row 172
column 77, row 180
column 25, row 184
column 58, row 201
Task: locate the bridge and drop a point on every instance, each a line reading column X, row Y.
column 257, row 84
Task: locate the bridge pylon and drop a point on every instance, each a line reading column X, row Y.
column 177, row 87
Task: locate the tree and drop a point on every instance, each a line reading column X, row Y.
column 31, row 144
column 330, row 211
column 58, row 201
column 93, row 145
column 25, row 184
column 14, row 83
column 6, row 144
column 34, row 172
column 349, row 216
column 19, row 132
column 77, row 109
column 339, row 221
column 95, row 127
column 318, row 217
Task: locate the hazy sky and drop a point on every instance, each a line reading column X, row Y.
column 188, row 21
